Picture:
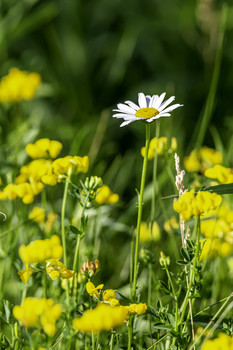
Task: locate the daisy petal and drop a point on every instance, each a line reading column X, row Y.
column 159, row 101
column 132, row 105
column 122, row 115
column 166, row 103
column 127, row 122
column 153, row 100
column 125, row 108
column 142, row 100
column 171, row 108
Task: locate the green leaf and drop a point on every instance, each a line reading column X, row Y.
column 182, row 262
column 74, row 230
column 185, row 254
column 7, row 309
column 164, row 287
column 163, row 326
column 220, row 189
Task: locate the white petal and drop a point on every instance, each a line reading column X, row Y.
column 125, row 108
column 165, row 115
column 142, row 100
column 132, row 105
column 122, row 115
column 159, row 101
column 171, row 108
column 166, row 103
column 153, row 100
column 127, row 122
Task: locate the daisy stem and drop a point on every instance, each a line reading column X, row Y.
column 143, row 178
column 63, row 211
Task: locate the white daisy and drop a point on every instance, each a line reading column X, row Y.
column 148, row 109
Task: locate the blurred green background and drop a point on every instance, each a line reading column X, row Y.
column 94, row 54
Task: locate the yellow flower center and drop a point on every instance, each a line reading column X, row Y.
column 146, row 113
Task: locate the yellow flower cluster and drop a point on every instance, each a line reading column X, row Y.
column 109, row 297
column 222, row 342
column 38, row 312
column 102, row 318
column 44, row 148
column 171, row 224
column 189, row 205
column 160, row 146
column 218, row 233
column 41, row 250
column 220, row 173
column 147, row 233
column 19, row 85
column 106, row 196
column 38, row 172
column 37, row 214
column 55, row 268
column 137, row 309
column 199, row 161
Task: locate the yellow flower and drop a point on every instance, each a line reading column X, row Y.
column 222, row 342
column 18, row 85
column 25, row 274
column 220, row 173
column 55, row 268
column 201, row 160
column 41, row 250
column 160, row 146
column 44, row 148
column 171, row 224
column 35, row 312
column 189, row 205
column 146, row 234
column 37, row 214
column 102, row 318
column 106, row 196
column 137, row 308
column 68, row 164
column 92, row 290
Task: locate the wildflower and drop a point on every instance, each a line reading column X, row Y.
column 203, row 159
column 37, row 214
column 68, row 164
column 44, row 148
column 106, row 196
column 109, row 296
column 222, row 342
column 149, row 108
column 215, row 247
column 160, row 146
column 19, row 85
column 220, row 173
column 41, row 250
column 149, row 232
column 189, row 205
column 92, row 290
column 35, row 312
column 171, row 224
column 89, row 268
column 138, row 309
column 25, row 274
column 102, row 318
column 55, row 268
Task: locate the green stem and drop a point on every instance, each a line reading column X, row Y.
column 112, row 340
column 93, row 340
column 130, row 333
column 193, row 270
column 44, row 281
column 63, row 211
column 143, row 178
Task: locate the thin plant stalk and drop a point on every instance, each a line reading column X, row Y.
column 63, row 233
column 143, row 179
column 136, row 253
